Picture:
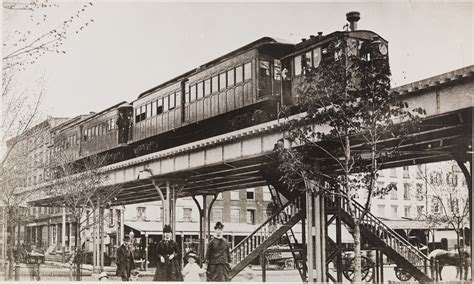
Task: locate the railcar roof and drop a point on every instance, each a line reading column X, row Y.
column 80, row 119
column 244, row 48
column 317, row 39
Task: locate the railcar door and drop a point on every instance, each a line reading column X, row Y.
column 264, row 78
column 276, row 84
column 124, row 125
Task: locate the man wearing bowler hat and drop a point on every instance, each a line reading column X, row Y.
column 124, row 259
column 217, row 261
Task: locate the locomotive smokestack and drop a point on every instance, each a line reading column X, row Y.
column 352, row 18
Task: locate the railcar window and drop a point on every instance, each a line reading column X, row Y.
column 316, row 56
column 142, row 113
column 186, row 92
column 200, row 90
column 215, row 84
column 297, row 65
column 137, row 115
column 222, row 81
column 159, row 106
column 148, row 110
column 248, row 71
column 193, row 93
column 112, row 124
column 239, row 74
column 165, row 104
column 277, row 70
column 207, row 87
column 309, row 59
column 172, row 101
column 264, row 68
column 230, row 78
column 153, row 108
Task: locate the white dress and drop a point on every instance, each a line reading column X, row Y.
column 191, row 272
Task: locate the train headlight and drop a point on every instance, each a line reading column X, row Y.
column 383, row 49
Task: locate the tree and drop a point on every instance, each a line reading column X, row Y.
column 21, row 102
column 348, row 96
column 449, row 202
column 81, row 187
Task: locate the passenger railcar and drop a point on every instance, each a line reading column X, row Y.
column 231, row 87
column 246, row 86
column 93, row 134
column 310, row 52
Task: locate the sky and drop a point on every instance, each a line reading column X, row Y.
column 133, row 46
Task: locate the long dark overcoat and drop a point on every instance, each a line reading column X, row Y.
column 170, row 270
column 218, row 260
column 125, row 263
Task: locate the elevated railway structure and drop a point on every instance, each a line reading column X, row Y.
column 246, row 158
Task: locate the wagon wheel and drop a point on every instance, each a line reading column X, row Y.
column 289, row 263
column 367, row 267
column 402, row 274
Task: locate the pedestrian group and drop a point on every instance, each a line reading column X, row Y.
column 216, row 265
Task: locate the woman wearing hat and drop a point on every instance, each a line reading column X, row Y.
column 167, row 267
column 218, row 257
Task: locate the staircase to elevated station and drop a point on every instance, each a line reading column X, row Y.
column 397, row 248
column 266, row 235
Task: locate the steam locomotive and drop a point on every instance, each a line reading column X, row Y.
column 244, row 87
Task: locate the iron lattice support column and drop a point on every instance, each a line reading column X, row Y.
column 316, row 233
column 468, row 176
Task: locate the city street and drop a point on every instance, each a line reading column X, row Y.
column 60, row 272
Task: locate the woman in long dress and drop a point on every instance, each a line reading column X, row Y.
column 218, row 257
column 168, row 255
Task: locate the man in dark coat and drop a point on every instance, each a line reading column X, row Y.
column 217, row 261
column 124, row 259
column 168, row 255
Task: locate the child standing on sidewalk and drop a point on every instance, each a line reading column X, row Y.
column 192, row 271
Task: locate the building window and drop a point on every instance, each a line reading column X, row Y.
column 141, row 213
column 394, row 191
column 217, row 214
column 381, row 210
column 380, row 185
column 420, row 196
column 419, row 171
column 251, row 216
column 267, row 196
column 393, row 172
column 234, row 215
column 420, row 209
column 407, row 191
column 406, row 172
column 234, row 195
column 187, row 214
column 407, row 211
column 394, row 210
column 111, row 214
column 250, row 194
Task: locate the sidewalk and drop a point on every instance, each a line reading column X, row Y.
column 57, row 271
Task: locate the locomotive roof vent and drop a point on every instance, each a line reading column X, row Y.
column 353, row 18
column 320, row 34
column 303, row 40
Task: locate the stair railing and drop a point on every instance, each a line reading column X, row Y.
column 390, row 237
column 265, row 230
